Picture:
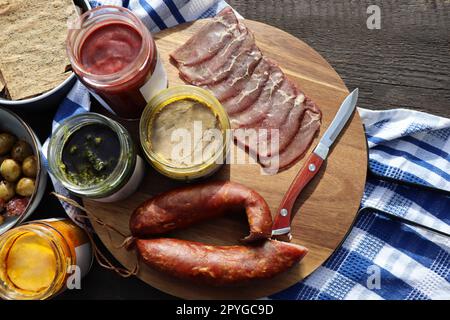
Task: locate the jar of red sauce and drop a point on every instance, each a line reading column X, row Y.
column 115, row 56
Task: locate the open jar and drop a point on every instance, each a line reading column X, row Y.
column 185, row 133
column 114, row 55
column 94, row 157
column 37, row 259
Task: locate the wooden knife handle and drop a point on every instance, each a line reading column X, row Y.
column 308, row 171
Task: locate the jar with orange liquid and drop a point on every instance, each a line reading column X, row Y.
column 40, row 259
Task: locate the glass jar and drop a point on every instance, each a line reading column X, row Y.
column 207, row 166
column 114, row 55
column 124, row 179
column 38, row 258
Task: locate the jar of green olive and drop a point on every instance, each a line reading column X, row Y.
column 94, row 157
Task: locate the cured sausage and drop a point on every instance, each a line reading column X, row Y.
column 203, row 263
column 219, row 265
column 185, row 206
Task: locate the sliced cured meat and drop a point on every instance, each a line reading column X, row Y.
column 300, row 143
column 256, row 112
column 291, row 126
column 269, row 114
column 251, row 91
column 220, row 66
column 209, row 40
column 282, row 101
column 239, row 76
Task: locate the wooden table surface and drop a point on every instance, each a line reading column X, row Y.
column 405, row 64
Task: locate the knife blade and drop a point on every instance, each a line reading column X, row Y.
column 282, row 224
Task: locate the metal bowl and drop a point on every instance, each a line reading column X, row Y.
column 12, row 123
column 49, row 99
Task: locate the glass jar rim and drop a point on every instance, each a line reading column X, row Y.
column 121, row 172
column 59, row 248
column 157, row 103
column 121, row 76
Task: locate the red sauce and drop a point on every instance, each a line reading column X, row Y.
column 110, row 48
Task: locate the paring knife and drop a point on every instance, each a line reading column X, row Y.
column 282, row 225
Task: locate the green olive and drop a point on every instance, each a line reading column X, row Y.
column 29, row 167
column 10, row 170
column 6, row 191
column 21, row 150
column 25, row 187
column 7, row 141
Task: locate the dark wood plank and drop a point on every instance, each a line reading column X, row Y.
column 405, row 64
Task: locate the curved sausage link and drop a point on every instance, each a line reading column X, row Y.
column 185, row 206
column 219, row 265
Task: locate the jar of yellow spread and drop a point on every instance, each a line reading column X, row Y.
column 40, row 259
column 185, row 133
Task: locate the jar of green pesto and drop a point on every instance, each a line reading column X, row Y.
column 94, row 157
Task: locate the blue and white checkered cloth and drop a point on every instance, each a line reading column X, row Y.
column 397, row 248
column 384, row 257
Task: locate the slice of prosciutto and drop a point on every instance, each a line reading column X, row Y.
column 300, row 143
column 209, row 40
column 239, row 76
column 282, row 102
column 251, row 91
column 258, row 103
column 220, row 66
column 291, row 126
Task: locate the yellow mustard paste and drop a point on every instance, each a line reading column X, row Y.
column 31, row 263
column 185, row 133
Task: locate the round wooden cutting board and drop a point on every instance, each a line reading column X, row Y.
column 325, row 211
